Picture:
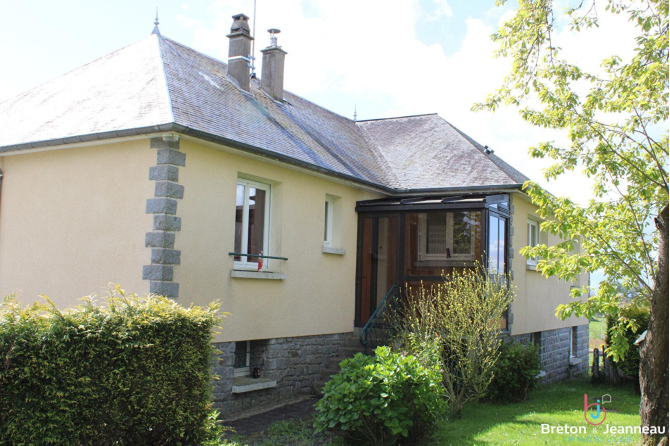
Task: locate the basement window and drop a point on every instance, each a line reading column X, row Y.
column 573, row 342
column 242, row 358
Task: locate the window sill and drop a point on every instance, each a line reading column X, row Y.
column 256, row 275
column 245, row 384
column 531, row 266
column 444, row 263
column 575, row 361
column 331, row 250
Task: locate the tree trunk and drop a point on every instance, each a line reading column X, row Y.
column 654, row 351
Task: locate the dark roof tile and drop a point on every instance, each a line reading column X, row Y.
column 157, row 81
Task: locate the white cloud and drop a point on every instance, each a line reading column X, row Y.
column 441, row 10
column 369, row 52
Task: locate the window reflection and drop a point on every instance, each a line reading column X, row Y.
column 437, row 242
column 497, row 243
column 251, row 220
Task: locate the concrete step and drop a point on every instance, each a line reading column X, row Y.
column 352, row 341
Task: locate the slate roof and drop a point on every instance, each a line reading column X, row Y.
column 157, row 84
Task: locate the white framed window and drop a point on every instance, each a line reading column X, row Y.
column 252, row 224
column 242, row 358
column 328, row 221
column 446, row 235
column 533, row 238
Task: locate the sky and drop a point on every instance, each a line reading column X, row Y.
column 382, row 58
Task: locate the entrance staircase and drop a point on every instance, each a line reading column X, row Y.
column 375, row 332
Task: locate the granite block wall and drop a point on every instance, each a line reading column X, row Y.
column 295, row 363
column 555, row 348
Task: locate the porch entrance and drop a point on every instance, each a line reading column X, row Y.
column 415, row 242
column 378, row 263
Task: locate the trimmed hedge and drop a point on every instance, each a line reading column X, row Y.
column 137, row 371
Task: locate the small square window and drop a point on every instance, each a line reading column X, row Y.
column 242, row 358
column 533, row 238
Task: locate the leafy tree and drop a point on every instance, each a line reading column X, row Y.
column 454, row 326
column 616, row 123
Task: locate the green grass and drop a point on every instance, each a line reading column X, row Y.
column 489, row 424
column 558, row 404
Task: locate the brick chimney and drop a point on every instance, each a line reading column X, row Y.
column 239, row 50
column 272, row 80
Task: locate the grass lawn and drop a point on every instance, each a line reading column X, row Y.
column 513, row 424
column 557, row 404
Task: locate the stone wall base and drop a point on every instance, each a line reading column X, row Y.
column 294, row 363
column 555, row 347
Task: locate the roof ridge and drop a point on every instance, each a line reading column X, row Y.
column 398, row 117
column 380, row 154
column 492, row 157
column 165, row 81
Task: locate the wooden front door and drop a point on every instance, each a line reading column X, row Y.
column 377, row 268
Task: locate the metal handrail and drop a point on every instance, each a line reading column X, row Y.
column 380, row 311
column 245, row 254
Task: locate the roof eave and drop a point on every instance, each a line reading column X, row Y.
column 188, row 131
column 459, row 189
column 174, row 127
column 88, row 138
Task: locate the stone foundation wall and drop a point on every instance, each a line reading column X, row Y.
column 555, row 351
column 295, row 363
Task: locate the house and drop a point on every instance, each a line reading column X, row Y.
column 170, row 172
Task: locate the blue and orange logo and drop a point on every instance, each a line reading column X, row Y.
column 594, row 411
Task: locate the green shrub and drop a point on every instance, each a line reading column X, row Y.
column 381, row 399
column 633, row 321
column 515, row 373
column 456, row 324
column 137, row 371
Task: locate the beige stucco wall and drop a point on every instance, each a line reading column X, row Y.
column 537, row 297
column 73, row 220
column 316, row 297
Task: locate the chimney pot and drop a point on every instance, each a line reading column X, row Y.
column 239, row 51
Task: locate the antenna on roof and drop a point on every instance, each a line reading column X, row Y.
column 156, row 30
column 355, row 115
column 252, row 57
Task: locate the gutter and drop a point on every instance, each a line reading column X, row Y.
column 174, row 127
column 88, row 138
